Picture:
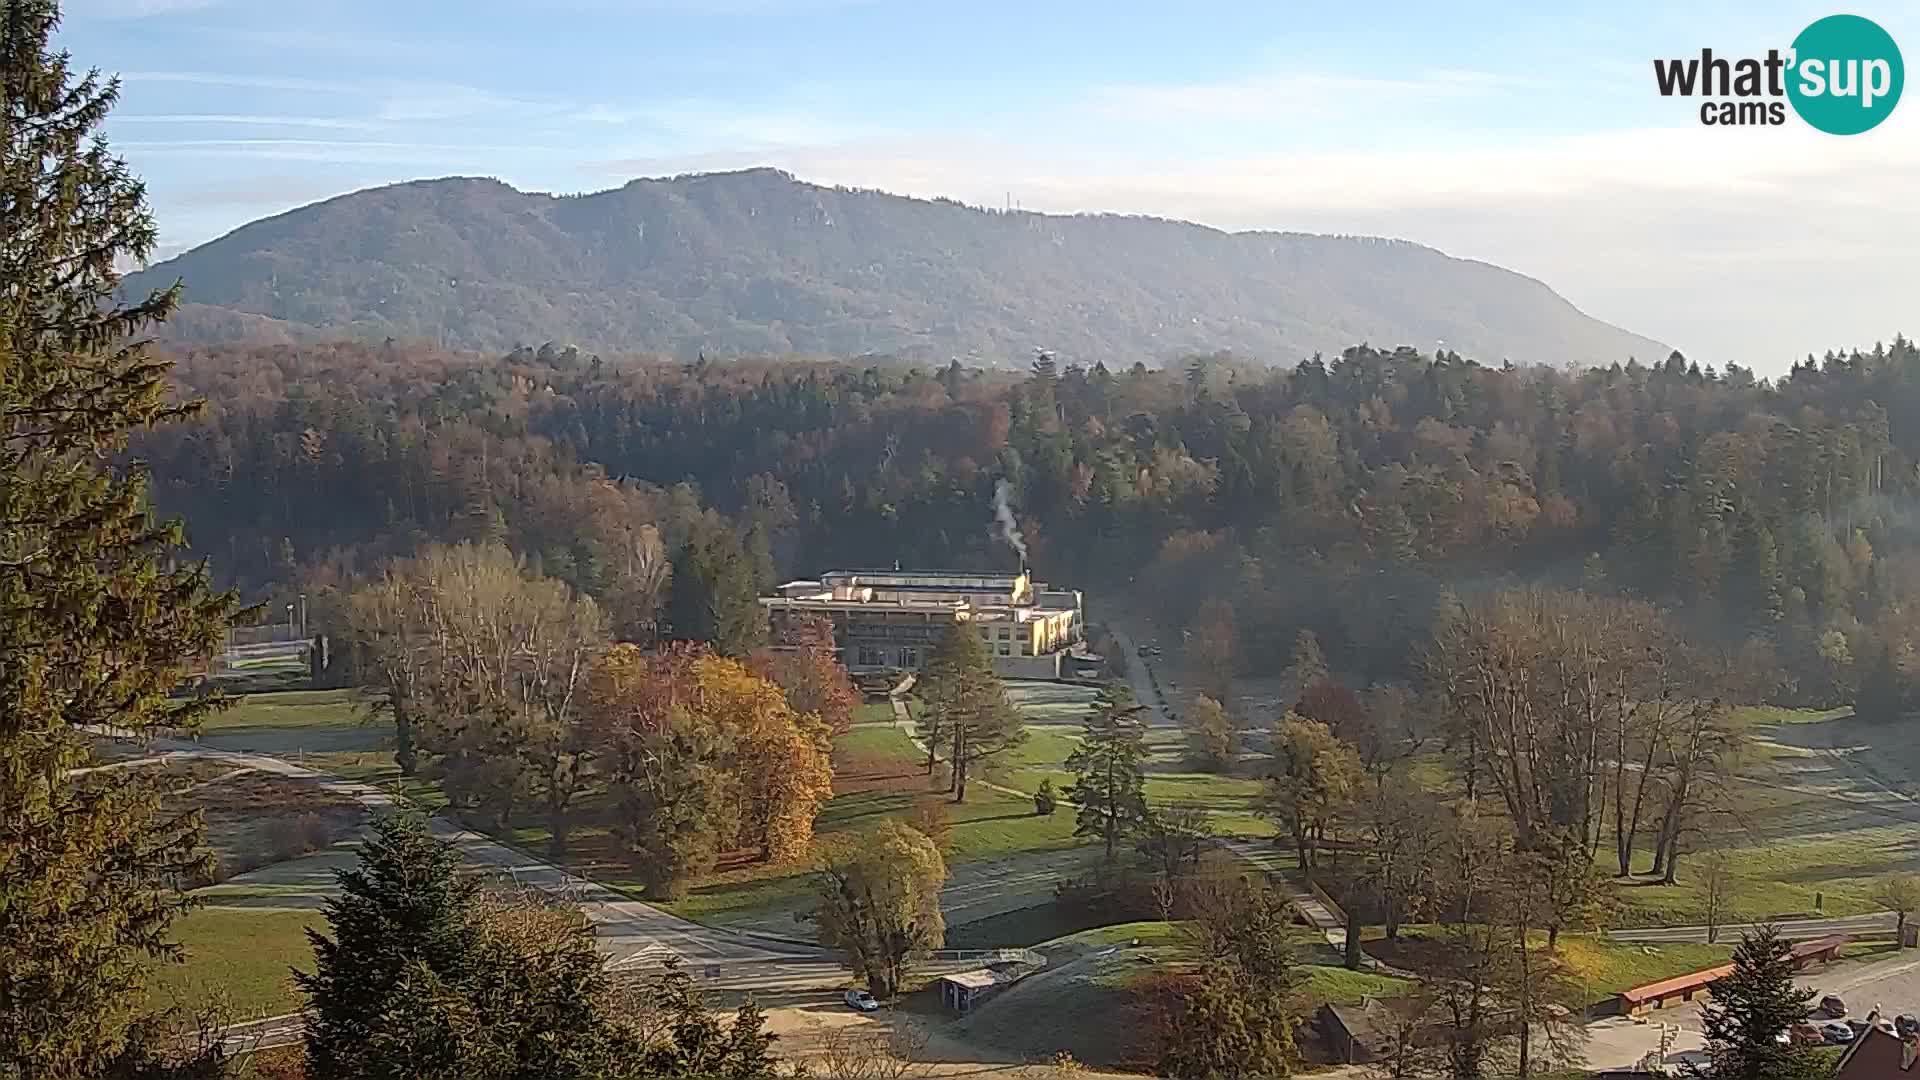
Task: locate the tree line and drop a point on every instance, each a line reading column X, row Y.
column 1341, row 494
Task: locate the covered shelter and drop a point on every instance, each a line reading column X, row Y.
column 962, row 989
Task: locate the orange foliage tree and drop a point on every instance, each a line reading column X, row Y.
column 803, row 664
column 779, row 757
column 703, row 756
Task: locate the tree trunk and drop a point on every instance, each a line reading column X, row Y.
column 960, row 764
column 404, row 754
column 561, row 824
column 1352, row 956
column 1624, row 845
column 1473, row 763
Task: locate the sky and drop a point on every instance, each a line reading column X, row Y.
column 1530, row 138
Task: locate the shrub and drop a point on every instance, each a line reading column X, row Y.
column 290, row 838
column 932, row 817
column 316, row 832
column 1045, row 800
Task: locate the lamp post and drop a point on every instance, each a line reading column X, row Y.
column 289, row 620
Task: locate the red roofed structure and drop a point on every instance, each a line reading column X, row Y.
column 1655, row 995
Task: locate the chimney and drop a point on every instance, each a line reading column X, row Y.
column 1909, row 1049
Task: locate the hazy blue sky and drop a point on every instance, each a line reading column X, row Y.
column 1507, row 132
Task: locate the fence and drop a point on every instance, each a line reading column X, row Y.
column 1320, row 894
column 988, row 956
column 260, row 635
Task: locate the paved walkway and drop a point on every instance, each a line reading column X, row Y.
column 624, row 926
column 1282, row 872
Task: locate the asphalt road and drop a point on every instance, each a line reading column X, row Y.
column 625, row 927
column 1140, row 681
column 631, row 934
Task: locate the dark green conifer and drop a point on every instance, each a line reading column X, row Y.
column 99, row 622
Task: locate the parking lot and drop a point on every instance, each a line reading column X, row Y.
column 1892, row 985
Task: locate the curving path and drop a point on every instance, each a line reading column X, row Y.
column 626, row 928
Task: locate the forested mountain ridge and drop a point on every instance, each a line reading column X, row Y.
column 758, row 263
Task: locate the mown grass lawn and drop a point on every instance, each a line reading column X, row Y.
column 1168, row 944
column 240, row 955
column 289, row 722
column 879, row 775
column 1779, row 877
column 1053, row 732
column 1780, row 714
column 1600, row 967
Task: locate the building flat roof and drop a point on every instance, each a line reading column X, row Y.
column 980, row 979
column 996, row 575
column 901, row 587
column 997, row 612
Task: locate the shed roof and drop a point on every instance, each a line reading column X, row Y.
column 980, row 978
column 1695, row 980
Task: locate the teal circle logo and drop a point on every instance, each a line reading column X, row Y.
column 1846, row 75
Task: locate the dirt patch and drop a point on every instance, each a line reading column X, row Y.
column 257, row 819
column 937, row 1043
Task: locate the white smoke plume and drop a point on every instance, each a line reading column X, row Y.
column 1004, row 513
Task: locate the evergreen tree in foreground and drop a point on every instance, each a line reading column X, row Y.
column 1750, row 1007
column 1109, row 786
column 425, row 978
column 698, row 1045
column 402, row 940
column 97, row 621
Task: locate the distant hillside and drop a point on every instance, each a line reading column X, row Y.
column 758, row 262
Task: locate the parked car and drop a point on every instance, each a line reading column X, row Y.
column 1906, row 1024
column 1804, row 1034
column 861, row 1000
column 1832, row 1006
column 1836, row 1032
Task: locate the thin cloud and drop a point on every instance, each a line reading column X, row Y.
column 277, row 191
column 243, row 82
column 240, row 120
column 431, row 102
column 134, row 9
column 1264, row 95
column 447, row 157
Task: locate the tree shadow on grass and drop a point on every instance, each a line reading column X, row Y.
column 865, row 804
column 993, row 817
